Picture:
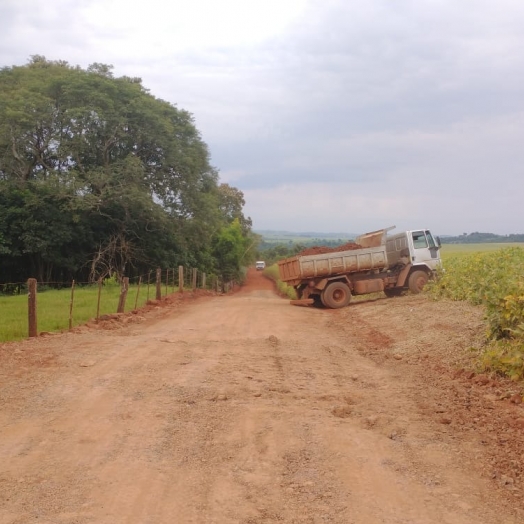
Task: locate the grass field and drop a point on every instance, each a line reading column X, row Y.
column 53, row 308
column 449, row 250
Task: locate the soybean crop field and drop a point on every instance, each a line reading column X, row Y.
column 493, row 279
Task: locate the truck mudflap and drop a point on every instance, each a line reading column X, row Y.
column 302, row 302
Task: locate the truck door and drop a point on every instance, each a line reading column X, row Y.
column 425, row 249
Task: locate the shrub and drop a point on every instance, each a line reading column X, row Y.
column 505, row 357
column 283, row 288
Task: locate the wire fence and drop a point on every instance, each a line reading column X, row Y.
column 55, row 306
column 168, row 276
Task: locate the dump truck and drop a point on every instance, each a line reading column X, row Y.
column 377, row 261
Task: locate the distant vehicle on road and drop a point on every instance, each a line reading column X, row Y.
column 260, row 265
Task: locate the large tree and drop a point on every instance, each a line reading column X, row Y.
column 98, row 175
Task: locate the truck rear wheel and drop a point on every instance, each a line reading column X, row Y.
column 336, row 295
column 417, row 281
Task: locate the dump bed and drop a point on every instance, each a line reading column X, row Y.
column 302, row 267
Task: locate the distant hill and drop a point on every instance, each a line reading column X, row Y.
column 285, row 237
column 481, row 238
column 294, row 241
column 266, row 233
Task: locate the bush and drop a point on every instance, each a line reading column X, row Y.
column 505, row 357
column 283, row 288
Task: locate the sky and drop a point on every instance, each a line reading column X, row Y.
column 329, row 115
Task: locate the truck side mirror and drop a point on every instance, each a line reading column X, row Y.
column 439, row 244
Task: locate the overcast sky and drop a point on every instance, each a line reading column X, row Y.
column 330, row 115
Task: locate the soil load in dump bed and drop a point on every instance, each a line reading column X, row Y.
column 320, row 250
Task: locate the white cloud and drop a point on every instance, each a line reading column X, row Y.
column 360, row 207
column 181, row 25
column 399, row 110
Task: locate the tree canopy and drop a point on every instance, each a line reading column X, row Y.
column 99, row 176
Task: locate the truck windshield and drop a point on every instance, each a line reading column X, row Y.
column 419, row 239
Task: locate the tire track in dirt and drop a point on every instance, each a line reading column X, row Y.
column 234, row 409
column 419, row 451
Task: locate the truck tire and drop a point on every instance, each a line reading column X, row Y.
column 317, row 300
column 417, row 281
column 336, row 295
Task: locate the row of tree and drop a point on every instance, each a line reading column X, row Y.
column 99, row 177
column 482, row 238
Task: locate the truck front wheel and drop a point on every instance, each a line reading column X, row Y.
column 417, row 281
column 336, row 295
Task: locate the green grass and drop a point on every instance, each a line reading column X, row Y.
column 53, row 308
column 450, row 250
column 283, row 288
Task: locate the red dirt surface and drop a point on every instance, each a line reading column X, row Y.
column 320, row 250
column 242, row 409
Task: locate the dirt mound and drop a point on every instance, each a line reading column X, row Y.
column 320, row 250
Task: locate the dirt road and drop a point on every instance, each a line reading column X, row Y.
column 244, row 409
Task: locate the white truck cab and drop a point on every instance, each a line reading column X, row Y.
column 419, row 246
column 260, row 265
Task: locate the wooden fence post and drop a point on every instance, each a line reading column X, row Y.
column 167, row 280
column 173, row 270
column 71, row 305
column 203, row 281
column 98, row 302
column 194, row 284
column 181, row 279
column 159, row 284
column 123, row 295
column 148, row 282
column 31, row 307
column 138, row 291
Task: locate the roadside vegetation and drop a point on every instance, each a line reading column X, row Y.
column 494, row 280
column 283, row 288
